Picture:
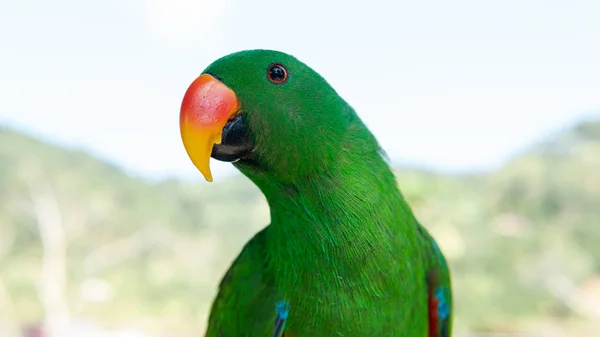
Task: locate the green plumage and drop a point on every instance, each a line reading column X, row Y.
column 343, row 249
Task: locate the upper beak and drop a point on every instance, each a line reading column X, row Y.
column 207, row 106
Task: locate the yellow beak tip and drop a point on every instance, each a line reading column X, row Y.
column 205, row 170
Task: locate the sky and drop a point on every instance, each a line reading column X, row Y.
column 455, row 86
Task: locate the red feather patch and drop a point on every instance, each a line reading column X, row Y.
column 433, row 316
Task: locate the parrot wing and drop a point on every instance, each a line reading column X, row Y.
column 438, row 287
column 241, row 307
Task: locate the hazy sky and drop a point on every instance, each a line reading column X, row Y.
column 454, row 85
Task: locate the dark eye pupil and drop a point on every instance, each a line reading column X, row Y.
column 277, row 73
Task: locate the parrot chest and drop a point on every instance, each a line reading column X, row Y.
column 346, row 307
column 332, row 292
column 342, row 306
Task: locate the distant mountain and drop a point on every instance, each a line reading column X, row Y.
column 522, row 241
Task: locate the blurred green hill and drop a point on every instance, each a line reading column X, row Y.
column 83, row 240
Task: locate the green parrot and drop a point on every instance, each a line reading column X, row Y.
column 344, row 254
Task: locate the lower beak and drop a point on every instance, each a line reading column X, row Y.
column 207, row 106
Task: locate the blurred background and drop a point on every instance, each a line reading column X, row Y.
column 489, row 111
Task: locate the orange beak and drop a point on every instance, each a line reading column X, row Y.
column 207, row 106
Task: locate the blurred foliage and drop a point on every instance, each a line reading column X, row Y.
column 523, row 242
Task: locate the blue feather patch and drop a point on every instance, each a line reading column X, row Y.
column 283, row 310
column 442, row 308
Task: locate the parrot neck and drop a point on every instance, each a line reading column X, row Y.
column 352, row 215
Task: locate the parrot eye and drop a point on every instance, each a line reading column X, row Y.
column 277, row 73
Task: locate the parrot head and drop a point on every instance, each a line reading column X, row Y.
column 269, row 114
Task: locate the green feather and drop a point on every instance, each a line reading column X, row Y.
column 343, row 248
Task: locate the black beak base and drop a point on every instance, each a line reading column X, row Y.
column 235, row 142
